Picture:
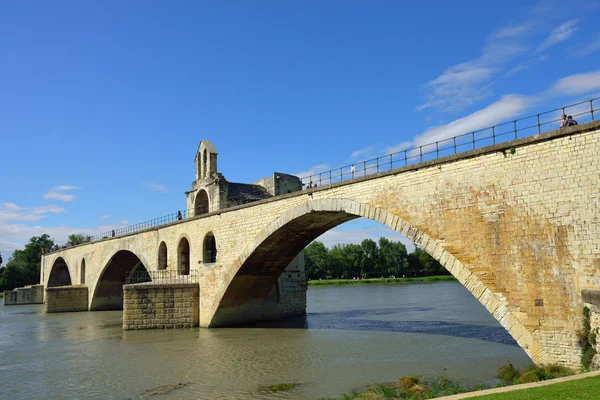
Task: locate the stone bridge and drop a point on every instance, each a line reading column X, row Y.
column 518, row 224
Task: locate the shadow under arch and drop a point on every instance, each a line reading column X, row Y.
column 256, row 270
column 108, row 294
column 59, row 274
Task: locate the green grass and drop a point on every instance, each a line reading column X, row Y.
column 584, row 389
column 384, row 280
column 1, row 294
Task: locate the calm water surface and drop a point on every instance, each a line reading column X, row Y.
column 353, row 335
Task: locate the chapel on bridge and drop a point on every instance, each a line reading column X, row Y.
column 212, row 192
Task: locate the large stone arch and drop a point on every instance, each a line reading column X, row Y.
column 108, row 290
column 257, row 268
column 60, row 274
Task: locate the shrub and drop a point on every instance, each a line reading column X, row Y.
column 407, row 382
column 508, row 372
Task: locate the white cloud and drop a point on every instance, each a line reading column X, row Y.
column 588, row 49
column 512, row 31
column 577, row 84
column 59, row 196
column 506, row 108
column 17, row 235
column 156, row 187
column 361, row 152
column 124, row 222
column 105, row 216
column 559, row 34
column 56, row 193
column 397, row 148
column 65, row 187
column 11, row 206
column 12, row 212
column 313, row 171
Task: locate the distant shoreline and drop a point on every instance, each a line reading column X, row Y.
column 382, row 280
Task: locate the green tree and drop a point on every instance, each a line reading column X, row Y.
column 392, row 257
column 370, row 263
column 23, row 268
column 315, row 260
column 78, row 238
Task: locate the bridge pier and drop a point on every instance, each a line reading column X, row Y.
column 66, row 298
column 32, row 294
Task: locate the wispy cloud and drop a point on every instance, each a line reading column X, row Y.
column 577, row 84
column 65, row 187
column 105, row 216
column 57, row 193
column 559, row 34
column 59, row 196
column 155, row 187
column 12, row 212
column 313, row 170
column 14, row 236
column 361, row 152
column 399, row 147
column 507, row 108
column 588, row 49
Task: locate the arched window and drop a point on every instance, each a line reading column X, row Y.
column 82, row 272
column 201, row 203
column 183, row 257
column 209, row 248
column 162, row 256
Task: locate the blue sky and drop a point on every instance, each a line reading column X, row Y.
column 103, row 104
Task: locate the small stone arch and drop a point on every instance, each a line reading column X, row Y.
column 108, row 291
column 162, row 256
column 202, row 203
column 59, row 274
column 82, row 272
column 209, row 248
column 323, row 215
column 183, row 257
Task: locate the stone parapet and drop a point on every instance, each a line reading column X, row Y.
column 66, row 299
column 161, row 305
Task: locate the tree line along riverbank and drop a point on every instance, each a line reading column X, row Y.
column 370, row 259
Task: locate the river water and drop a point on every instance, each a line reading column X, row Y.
column 352, row 335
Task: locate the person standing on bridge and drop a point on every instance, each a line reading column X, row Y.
column 570, row 121
column 179, row 217
column 563, row 121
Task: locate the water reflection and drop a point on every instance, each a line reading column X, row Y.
column 357, row 320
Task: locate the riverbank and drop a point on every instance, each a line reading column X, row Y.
column 435, row 278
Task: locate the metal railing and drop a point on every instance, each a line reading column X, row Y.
column 165, row 276
column 510, row 130
column 526, row 126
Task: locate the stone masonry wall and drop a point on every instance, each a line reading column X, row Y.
column 288, row 296
column 10, row 297
column 66, row 299
column 160, row 305
column 32, row 294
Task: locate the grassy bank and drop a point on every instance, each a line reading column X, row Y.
column 382, row 280
column 587, row 388
column 1, row 294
